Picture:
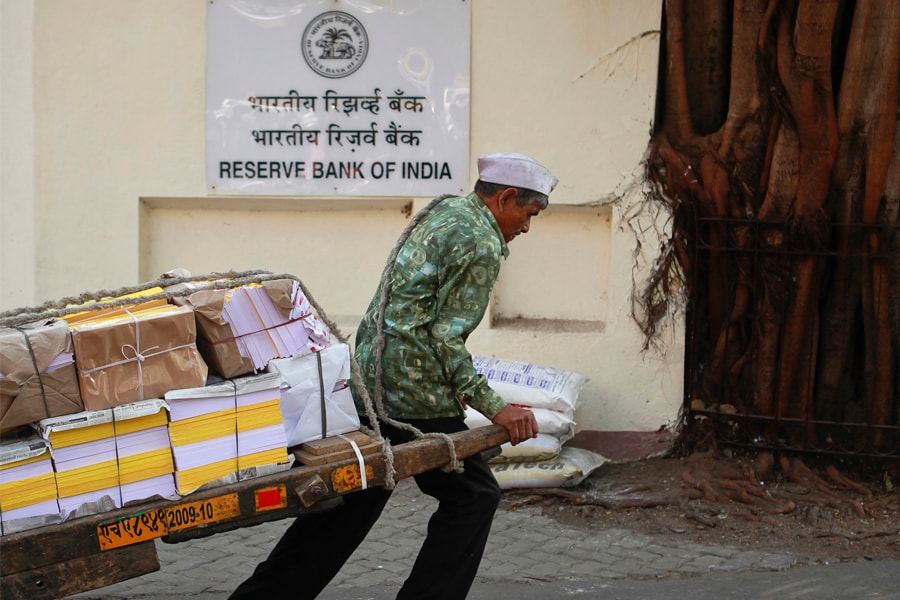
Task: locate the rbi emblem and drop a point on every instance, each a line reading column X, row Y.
column 335, row 44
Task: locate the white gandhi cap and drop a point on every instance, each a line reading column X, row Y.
column 516, row 170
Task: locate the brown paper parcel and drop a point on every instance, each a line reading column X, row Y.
column 26, row 395
column 215, row 338
column 137, row 358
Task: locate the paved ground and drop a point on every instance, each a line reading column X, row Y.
column 529, row 557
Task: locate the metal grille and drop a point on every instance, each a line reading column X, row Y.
column 746, row 277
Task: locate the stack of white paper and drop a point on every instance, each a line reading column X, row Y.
column 27, row 485
column 226, row 432
column 146, row 468
column 83, row 447
column 63, row 359
column 315, row 398
column 263, row 332
column 104, row 459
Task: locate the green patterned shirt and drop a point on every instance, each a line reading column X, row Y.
column 442, row 282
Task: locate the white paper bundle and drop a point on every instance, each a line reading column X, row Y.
column 226, row 432
column 28, row 495
column 262, row 332
column 107, row 458
column 315, row 399
column 83, row 447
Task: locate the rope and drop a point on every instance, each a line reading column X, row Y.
column 34, row 365
column 104, row 298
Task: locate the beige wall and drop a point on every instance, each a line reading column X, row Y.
column 103, row 180
column 17, row 195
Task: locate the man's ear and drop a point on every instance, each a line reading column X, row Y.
column 508, row 195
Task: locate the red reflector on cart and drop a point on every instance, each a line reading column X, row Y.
column 271, row 498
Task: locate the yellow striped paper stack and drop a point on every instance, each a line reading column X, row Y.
column 27, row 485
column 227, row 432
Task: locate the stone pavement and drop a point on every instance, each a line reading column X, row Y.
column 525, row 548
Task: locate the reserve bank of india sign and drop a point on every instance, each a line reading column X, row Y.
column 330, row 97
column 335, row 44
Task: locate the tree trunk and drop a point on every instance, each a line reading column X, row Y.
column 795, row 198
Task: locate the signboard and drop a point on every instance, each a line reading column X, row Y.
column 346, row 97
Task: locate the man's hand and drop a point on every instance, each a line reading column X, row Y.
column 519, row 422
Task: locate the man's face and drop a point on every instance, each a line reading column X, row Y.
column 514, row 219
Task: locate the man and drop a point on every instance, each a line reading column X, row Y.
column 439, row 288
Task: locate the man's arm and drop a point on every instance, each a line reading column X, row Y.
column 463, row 296
column 468, row 287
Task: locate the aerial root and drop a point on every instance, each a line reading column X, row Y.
column 840, row 479
column 736, row 483
column 797, row 471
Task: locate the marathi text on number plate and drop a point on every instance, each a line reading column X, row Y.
column 156, row 523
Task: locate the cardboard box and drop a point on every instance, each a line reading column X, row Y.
column 38, row 374
column 137, row 357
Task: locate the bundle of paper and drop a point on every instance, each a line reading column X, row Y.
column 241, row 329
column 83, row 447
column 315, row 398
column 136, row 304
column 146, row 467
column 27, row 485
column 130, row 357
column 37, row 374
column 106, row 458
column 227, row 432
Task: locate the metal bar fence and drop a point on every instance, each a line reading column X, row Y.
column 745, row 278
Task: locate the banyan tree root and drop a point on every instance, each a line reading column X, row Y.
column 735, row 482
column 890, row 502
column 797, row 471
column 856, row 537
column 840, row 479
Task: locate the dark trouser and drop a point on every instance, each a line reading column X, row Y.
column 316, row 546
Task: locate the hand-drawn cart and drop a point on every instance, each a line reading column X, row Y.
column 90, row 552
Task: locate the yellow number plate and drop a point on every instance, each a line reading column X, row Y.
column 156, row 523
column 132, row 529
column 185, row 516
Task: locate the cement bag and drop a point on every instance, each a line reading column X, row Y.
column 315, row 399
column 551, row 422
column 543, row 447
column 531, row 385
column 571, row 467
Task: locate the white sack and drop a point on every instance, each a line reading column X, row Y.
column 532, row 385
column 543, row 447
column 551, row 422
column 571, row 467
